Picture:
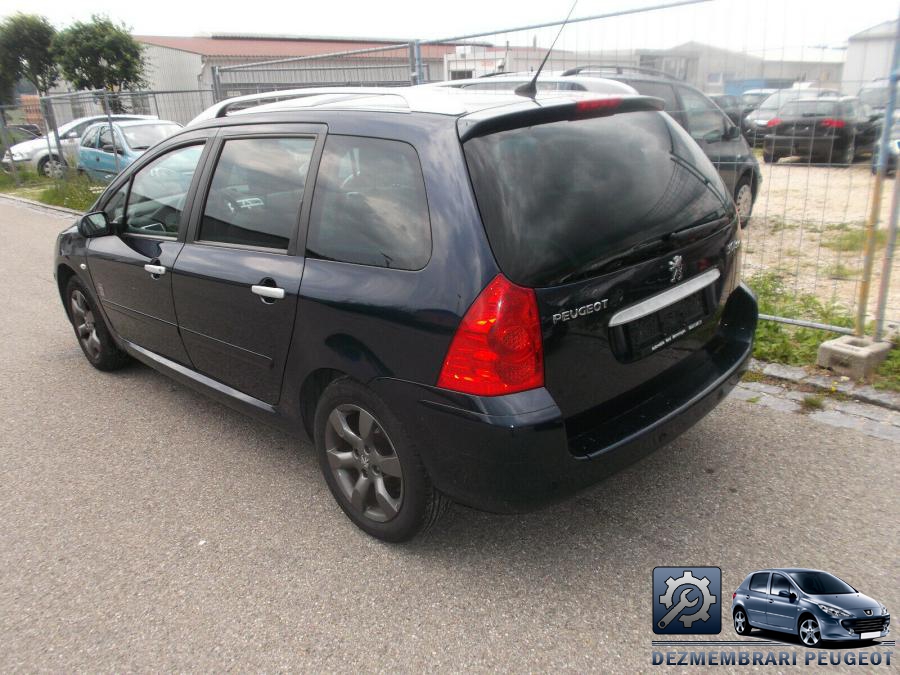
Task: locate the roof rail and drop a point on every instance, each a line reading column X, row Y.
column 618, row 69
column 222, row 108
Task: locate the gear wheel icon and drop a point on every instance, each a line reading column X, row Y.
column 702, row 584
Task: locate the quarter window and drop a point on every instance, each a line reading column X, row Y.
column 369, row 205
column 759, row 582
column 158, row 192
column 256, row 192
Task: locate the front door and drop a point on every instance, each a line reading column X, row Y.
column 131, row 269
column 782, row 611
column 237, row 280
column 709, row 126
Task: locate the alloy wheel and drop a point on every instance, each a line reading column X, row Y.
column 809, row 632
column 744, row 202
column 740, row 622
column 85, row 326
column 364, row 463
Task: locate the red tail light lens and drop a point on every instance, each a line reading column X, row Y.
column 734, row 595
column 774, row 122
column 830, row 123
column 497, row 348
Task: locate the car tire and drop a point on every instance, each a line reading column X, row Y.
column 91, row 331
column 741, row 623
column 848, row 155
column 770, row 157
column 371, row 464
column 743, row 199
column 808, row 631
column 51, row 167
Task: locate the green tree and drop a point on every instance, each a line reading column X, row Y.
column 10, row 69
column 100, row 55
column 28, row 39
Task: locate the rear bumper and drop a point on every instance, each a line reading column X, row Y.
column 515, row 453
column 802, row 147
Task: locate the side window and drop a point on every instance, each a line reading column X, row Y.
column 106, row 137
column 115, row 207
column 779, row 583
column 663, row 91
column 704, row 120
column 369, row 205
column 256, row 192
column 89, row 140
column 159, row 190
column 759, row 582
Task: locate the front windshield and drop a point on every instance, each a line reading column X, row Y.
column 820, row 583
column 808, row 108
column 143, row 136
column 752, row 99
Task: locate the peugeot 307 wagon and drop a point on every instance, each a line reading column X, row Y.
column 813, row 605
column 481, row 298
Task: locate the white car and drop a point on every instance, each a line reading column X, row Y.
column 43, row 156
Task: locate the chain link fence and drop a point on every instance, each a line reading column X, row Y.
column 814, row 141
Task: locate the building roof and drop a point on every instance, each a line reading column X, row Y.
column 885, row 30
column 279, row 47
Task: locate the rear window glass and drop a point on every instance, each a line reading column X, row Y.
column 759, row 582
column 808, row 108
column 369, row 205
column 559, row 200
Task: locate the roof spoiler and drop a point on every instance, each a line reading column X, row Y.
column 531, row 112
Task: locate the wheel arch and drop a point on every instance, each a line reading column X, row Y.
column 63, row 274
column 311, row 390
column 804, row 614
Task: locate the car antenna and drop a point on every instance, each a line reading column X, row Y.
column 529, row 89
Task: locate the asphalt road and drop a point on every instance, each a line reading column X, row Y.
column 143, row 527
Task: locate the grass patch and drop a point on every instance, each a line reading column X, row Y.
column 754, row 399
column 812, row 402
column 780, row 342
column 841, row 272
column 73, row 192
column 854, row 240
column 796, row 346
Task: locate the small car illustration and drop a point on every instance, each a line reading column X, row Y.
column 814, row 605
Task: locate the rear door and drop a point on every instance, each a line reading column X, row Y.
column 236, row 281
column 110, row 149
column 709, row 126
column 88, row 155
column 756, row 599
column 625, row 231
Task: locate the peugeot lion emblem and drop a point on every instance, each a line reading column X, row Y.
column 676, row 269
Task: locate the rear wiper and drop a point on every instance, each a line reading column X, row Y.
column 692, row 231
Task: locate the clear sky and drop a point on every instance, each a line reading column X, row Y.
column 738, row 24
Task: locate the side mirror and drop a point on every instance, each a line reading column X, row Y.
column 94, row 224
column 71, row 134
column 732, row 133
column 787, row 594
column 714, row 136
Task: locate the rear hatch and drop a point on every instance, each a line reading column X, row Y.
column 808, row 119
column 623, row 228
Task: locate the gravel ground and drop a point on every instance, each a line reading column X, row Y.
column 803, row 227
column 143, row 527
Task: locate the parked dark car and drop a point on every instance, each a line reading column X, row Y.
column 893, row 148
column 821, row 130
column 482, row 298
column 814, row 605
column 751, row 99
column 730, row 105
column 694, row 111
column 756, row 123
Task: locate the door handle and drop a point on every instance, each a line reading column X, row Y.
column 155, row 270
column 268, row 292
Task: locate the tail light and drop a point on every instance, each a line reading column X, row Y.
column 831, row 123
column 774, row 122
column 497, row 348
column 734, row 595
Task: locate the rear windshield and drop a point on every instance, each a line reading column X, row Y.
column 561, row 200
column 808, row 108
